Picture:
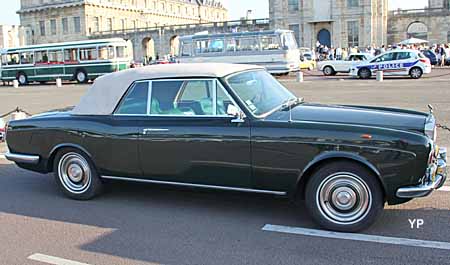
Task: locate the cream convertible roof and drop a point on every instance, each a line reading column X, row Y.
column 106, row 92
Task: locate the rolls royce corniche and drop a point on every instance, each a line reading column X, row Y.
column 234, row 127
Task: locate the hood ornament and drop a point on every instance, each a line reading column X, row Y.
column 430, row 107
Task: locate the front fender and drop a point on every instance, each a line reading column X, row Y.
column 330, row 155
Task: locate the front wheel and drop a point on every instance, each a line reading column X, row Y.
column 416, row 73
column 364, row 73
column 328, row 71
column 75, row 175
column 22, row 79
column 81, row 76
column 344, row 196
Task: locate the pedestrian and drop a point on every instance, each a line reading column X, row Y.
column 339, row 53
column 442, row 52
column 447, row 54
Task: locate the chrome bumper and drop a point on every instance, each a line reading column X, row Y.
column 21, row 158
column 434, row 179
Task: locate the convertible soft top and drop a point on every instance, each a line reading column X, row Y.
column 106, row 92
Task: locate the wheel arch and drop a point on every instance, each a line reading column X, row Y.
column 329, row 157
column 328, row 65
column 55, row 150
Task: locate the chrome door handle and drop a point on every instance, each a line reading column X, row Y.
column 153, row 130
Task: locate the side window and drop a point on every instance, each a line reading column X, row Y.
column 386, row 57
column 403, row 55
column 197, row 97
column 351, row 58
column 135, row 102
column 189, row 98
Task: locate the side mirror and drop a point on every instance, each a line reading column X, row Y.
column 235, row 112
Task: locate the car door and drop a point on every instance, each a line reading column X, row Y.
column 189, row 138
column 384, row 63
column 115, row 143
column 404, row 61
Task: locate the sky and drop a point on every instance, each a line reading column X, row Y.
column 237, row 8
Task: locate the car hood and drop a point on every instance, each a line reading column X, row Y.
column 355, row 115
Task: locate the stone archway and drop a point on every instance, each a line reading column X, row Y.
column 174, row 45
column 148, row 49
column 418, row 30
column 324, row 37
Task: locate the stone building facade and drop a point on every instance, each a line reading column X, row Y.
column 338, row 23
column 49, row 21
column 12, row 36
column 432, row 23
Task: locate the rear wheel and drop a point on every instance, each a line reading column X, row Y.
column 364, row 73
column 75, row 175
column 416, row 73
column 22, row 78
column 328, row 71
column 81, row 76
column 344, row 196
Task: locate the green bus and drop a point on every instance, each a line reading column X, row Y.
column 80, row 61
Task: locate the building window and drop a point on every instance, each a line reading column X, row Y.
column 53, row 26
column 42, row 27
column 448, row 37
column 65, row 25
column 96, row 25
column 353, row 33
column 296, row 29
column 77, row 24
column 352, row 3
column 293, row 5
column 109, row 24
column 124, row 24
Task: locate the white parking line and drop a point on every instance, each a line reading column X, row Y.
column 358, row 237
column 444, row 188
column 53, row 260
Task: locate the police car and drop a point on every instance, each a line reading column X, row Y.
column 394, row 63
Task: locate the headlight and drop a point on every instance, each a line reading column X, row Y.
column 430, row 127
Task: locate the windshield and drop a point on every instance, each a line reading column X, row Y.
column 259, row 91
column 288, row 41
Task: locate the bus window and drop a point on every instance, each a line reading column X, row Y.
column 88, row 54
column 186, row 48
column 121, row 52
column 55, row 57
column 41, row 57
column 27, row 58
column 4, row 59
column 247, row 44
column 231, row 45
column 13, row 58
column 106, row 53
column 288, row 41
column 270, row 43
column 70, row 56
column 208, row 46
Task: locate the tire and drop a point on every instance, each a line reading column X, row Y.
column 344, row 196
column 415, row 73
column 364, row 73
column 76, row 175
column 328, row 71
column 81, row 76
column 22, row 78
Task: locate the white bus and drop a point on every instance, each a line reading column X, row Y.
column 276, row 50
column 79, row 61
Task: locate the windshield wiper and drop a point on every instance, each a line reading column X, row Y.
column 292, row 102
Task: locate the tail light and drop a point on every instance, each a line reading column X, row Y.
column 425, row 60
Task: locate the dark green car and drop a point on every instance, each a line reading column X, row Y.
column 234, row 127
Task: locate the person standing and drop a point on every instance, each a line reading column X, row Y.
column 447, row 54
column 442, row 52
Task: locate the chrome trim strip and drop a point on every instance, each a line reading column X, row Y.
column 195, row 185
column 22, row 158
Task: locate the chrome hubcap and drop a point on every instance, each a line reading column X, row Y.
column 74, row 173
column 415, row 73
column 81, row 76
column 344, row 198
column 22, row 79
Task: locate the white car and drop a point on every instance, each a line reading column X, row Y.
column 395, row 63
column 343, row 66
